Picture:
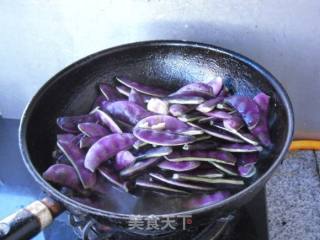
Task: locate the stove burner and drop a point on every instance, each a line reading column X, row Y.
column 92, row 230
column 248, row 223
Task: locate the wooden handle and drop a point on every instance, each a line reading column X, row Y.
column 29, row 221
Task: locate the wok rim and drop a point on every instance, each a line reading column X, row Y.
column 279, row 89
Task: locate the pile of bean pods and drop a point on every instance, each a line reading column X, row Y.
column 200, row 138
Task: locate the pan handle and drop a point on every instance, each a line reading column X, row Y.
column 30, row 220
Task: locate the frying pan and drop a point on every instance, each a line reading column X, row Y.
column 166, row 64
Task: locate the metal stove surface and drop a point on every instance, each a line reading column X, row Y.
column 17, row 188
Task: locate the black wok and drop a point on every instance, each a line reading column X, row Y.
column 167, row 64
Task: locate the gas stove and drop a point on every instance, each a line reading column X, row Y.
column 17, row 188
